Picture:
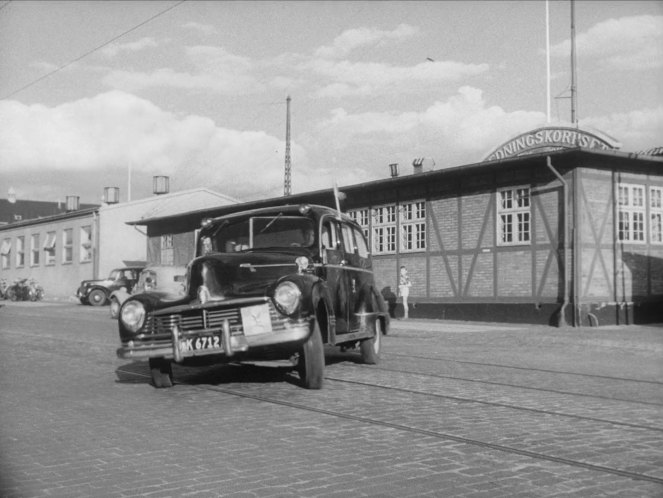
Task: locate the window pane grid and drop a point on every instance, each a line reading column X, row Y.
column 413, row 226
column 514, row 225
column 631, row 215
column 656, row 215
column 384, row 229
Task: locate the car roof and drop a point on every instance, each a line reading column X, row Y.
column 287, row 209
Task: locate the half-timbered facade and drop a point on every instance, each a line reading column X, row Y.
column 568, row 236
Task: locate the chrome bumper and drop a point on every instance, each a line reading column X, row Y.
column 176, row 347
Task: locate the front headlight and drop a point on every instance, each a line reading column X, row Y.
column 133, row 315
column 287, row 297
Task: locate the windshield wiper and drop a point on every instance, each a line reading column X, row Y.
column 271, row 222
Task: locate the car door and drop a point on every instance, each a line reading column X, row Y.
column 353, row 274
column 334, row 270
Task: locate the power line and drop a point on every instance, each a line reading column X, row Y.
column 60, row 68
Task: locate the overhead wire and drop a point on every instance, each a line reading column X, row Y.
column 89, row 52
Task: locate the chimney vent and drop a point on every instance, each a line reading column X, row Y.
column 160, row 185
column 418, row 165
column 72, row 203
column 393, row 168
column 111, row 195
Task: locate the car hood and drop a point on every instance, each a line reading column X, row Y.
column 247, row 274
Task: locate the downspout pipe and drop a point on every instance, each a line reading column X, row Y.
column 565, row 230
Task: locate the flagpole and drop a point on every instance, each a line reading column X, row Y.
column 547, row 62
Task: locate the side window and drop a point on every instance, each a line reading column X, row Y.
column 34, row 249
column 20, row 251
column 5, row 251
column 329, row 235
column 49, row 248
column 348, row 240
column 362, row 248
column 67, row 245
column 325, row 237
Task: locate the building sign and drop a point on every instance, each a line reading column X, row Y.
column 552, row 138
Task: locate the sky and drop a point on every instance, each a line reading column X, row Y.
column 110, row 94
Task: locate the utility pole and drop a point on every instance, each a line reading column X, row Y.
column 287, row 181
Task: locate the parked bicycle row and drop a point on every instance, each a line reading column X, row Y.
column 22, row 289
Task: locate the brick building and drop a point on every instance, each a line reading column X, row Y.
column 543, row 231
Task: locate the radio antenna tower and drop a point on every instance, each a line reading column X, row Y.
column 286, row 180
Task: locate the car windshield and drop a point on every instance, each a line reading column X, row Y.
column 260, row 232
column 147, row 280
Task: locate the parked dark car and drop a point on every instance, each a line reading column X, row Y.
column 97, row 292
column 273, row 283
column 167, row 281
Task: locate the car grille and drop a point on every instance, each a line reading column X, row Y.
column 206, row 318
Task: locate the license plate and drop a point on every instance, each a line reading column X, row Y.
column 200, row 343
column 256, row 319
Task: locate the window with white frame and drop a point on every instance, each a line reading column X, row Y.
column 656, row 215
column 49, row 248
column 631, row 213
column 167, row 253
column 361, row 217
column 86, row 244
column 20, row 251
column 67, row 245
column 513, row 216
column 34, row 249
column 413, row 226
column 384, row 230
column 5, row 253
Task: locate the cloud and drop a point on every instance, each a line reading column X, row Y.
column 353, row 39
column 637, row 130
column 206, row 29
column 358, row 78
column 215, row 69
column 90, row 137
column 456, row 131
column 625, row 44
column 218, row 70
column 115, row 48
column 81, row 146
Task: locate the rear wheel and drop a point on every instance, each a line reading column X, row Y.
column 370, row 348
column 311, row 366
column 161, row 370
column 97, row 297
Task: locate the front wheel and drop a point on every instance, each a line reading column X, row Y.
column 311, row 365
column 370, row 348
column 161, row 371
column 97, row 297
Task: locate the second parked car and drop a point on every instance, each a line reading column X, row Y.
column 97, row 292
column 164, row 281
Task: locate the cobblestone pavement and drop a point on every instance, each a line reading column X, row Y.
column 453, row 409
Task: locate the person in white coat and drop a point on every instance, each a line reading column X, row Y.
column 404, row 285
